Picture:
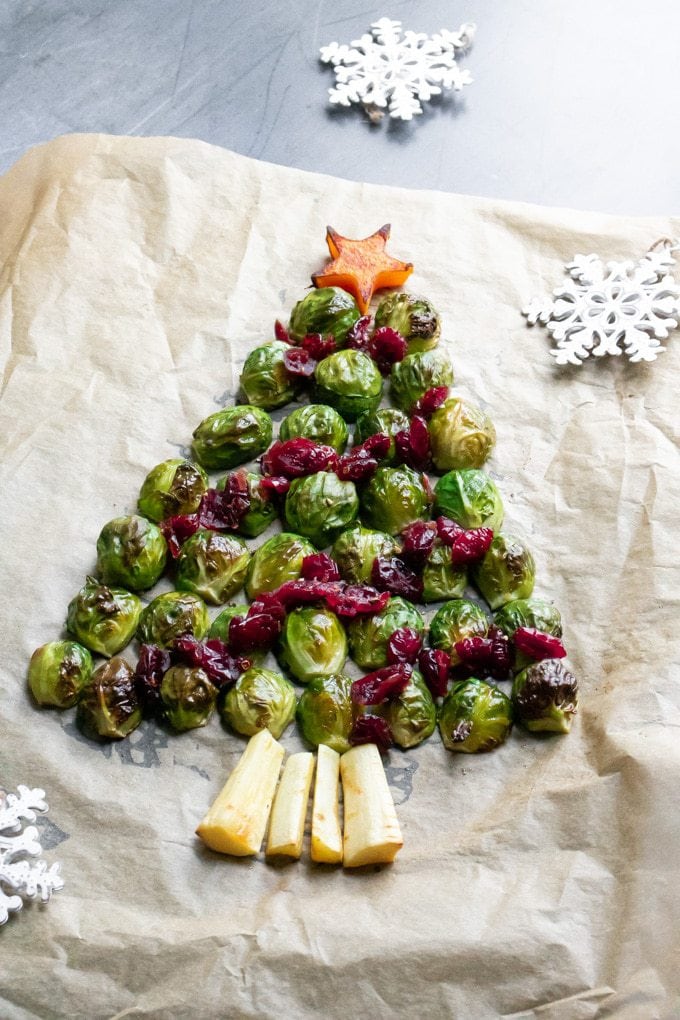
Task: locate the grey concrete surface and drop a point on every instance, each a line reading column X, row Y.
column 574, row 103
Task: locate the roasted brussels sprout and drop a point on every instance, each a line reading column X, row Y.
column 412, row 715
column 319, row 422
column 259, row 700
column 474, row 716
column 506, row 572
column 171, row 488
column 368, row 635
column 329, row 311
column 312, row 643
column 441, row 579
column 212, row 566
column 277, row 560
column 461, row 435
column 388, row 421
column 131, row 552
column 355, row 549
column 103, row 619
column 219, row 628
column 320, row 506
column 545, row 697
column 534, row 612
column 57, row 673
column 188, row 697
column 232, row 436
column 171, row 615
column 265, row 380
column 416, row 374
column 457, row 619
column 394, row 498
column 470, row 498
column 262, row 510
column 109, row 706
column 325, row 713
column 414, row 317
column 350, row 382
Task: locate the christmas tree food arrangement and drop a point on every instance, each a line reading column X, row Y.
column 319, row 555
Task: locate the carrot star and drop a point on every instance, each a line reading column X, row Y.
column 361, row 266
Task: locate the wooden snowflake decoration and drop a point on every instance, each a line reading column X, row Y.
column 21, row 878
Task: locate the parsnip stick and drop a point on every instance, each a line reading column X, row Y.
column 326, row 835
column 372, row 834
column 287, row 826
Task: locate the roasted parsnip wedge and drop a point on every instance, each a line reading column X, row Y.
column 287, row 826
column 326, row 834
column 372, row 834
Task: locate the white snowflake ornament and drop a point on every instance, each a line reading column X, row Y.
column 20, row 878
column 388, row 70
column 610, row 308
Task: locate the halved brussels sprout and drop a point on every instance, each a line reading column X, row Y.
column 457, row 619
column 131, row 552
column 355, row 549
column 412, row 715
column 171, row 488
column 350, row 382
column 109, row 706
column 313, row 643
column 212, row 566
column 320, row 506
column 536, row 613
column 368, row 635
column 262, row 511
column 470, row 498
column 474, row 716
column 325, row 713
column 171, row 615
column 416, row 374
column 507, row 571
column 277, row 560
column 265, row 380
column 413, row 316
column 259, row 700
column 461, row 435
column 319, row 422
column 329, row 311
column 388, row 421
column 441, row 579
column 57, row 673
column 188, row 697
column 219, row 628
column 232, row 436
column 393, row 499
column 545, row 697
column 103, row 619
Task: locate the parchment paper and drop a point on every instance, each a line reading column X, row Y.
column 540, row 880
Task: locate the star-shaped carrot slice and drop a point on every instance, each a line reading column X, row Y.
column 361, row 266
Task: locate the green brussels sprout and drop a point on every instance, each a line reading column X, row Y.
column 386, row 420
column 260, row 699
column 320, row 506
column 350, row 382
column 277, row 560
column 265, row 380
column 262, row 509
column 57, row 673
column 188, row 697
column 319, row 422
column 212, row 566
column 232, row 436
column 109, row 706
column 312, row 643
column 470, row 498
column 455, row 620
column 173, row 487
column 103, row 619
column 474, row 716
column 545, row 697
column 441, row 579
column 393, row 499
column 329, row 311
column 171, row 615
column 325, row 713
column 355, row 549
column 368, row 635
column 219, row 628
column 536, row 613
column 412, row 715
column 131, row 551
column 416, row 374
column 506, row 572
column 461, row 435
column 413, row 316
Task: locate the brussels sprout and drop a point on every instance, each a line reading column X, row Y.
column 325, row 713
column 262, row 510
column 441, row 579
column 57, row 673
column 103, row 619
column 393, row 499
column 412, row 715
column 260, row 699
column 265, row 380
column 171, row 615
column 219, row 628
column 470, row 498
column 414, row 317
column 368, row 635
column 131, row 551
column 320, row 506
column 474, row 716
column 536, row 613
column 277, row 560
column 457, row 619
column 329, row 311
column 350, row 382
column 545, row 697
column 461, row 435
column 356, row 548
column 188, row 697
column 319, row 422
column 212, row 565
column 416, row 374
column 387, row 420
column 312, row 643
column 171, row 488
column 506, row 572
column 232, row 436
column 109, row 706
